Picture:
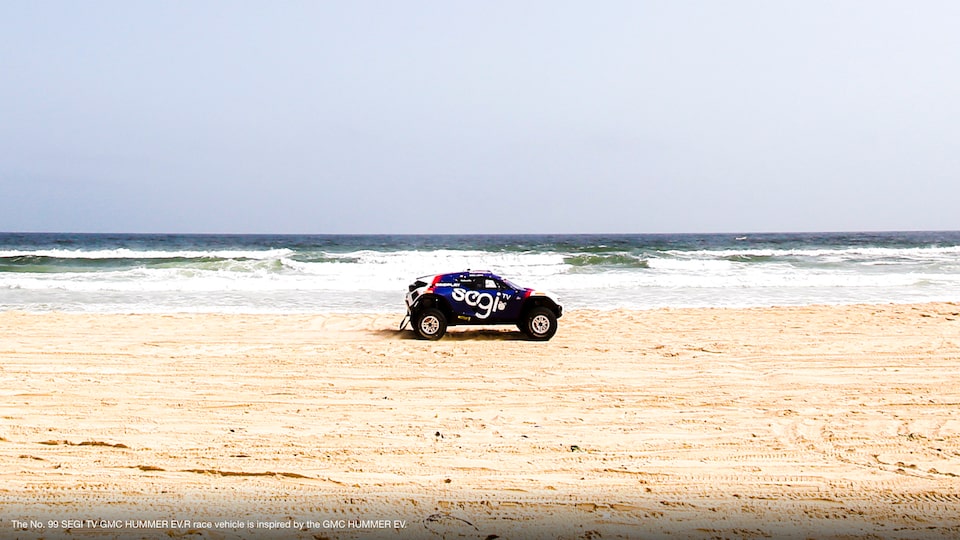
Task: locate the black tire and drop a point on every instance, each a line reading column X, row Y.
column 540, row 324
column 430, row 323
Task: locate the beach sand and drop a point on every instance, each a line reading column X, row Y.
column 793, row 422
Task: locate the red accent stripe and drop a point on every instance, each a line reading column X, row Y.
column 436, row 279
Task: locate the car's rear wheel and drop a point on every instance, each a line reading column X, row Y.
column 540, row 324
column 430, row 323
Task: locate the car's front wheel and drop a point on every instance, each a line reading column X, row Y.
column 430, row 324
column 540, row 324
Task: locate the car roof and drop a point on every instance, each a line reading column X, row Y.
column 470, row 273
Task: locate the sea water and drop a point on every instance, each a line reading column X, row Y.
column 144, row 273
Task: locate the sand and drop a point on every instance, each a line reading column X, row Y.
column 795, row 422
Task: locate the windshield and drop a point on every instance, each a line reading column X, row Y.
column 512, row 285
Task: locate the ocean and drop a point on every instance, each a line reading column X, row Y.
column 165, row 273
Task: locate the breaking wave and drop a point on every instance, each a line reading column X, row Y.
column 131, row 273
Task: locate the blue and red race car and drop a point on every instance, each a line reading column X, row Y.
column 478, row 297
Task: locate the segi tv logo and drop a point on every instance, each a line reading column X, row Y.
column 484, row 302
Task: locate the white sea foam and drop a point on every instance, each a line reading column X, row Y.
column 837, row 253
column 125, row 253
column 292, row 280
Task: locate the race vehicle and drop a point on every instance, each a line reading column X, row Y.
column 478, row 297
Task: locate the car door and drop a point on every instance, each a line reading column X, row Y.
column 504, row 302
column 469, row 301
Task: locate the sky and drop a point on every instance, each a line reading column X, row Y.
column 486, row 117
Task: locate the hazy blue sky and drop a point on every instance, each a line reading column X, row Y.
column 479, row 117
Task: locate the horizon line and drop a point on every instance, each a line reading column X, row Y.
column 423, row 234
